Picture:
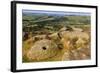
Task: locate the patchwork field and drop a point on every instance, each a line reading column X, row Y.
column 55, row 38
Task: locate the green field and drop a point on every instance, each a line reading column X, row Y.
column 37, row 27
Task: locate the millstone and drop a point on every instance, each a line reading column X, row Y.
column 42, row 49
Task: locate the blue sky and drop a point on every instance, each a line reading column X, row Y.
column 55, row 12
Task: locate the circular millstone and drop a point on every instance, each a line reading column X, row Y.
column 42, row 49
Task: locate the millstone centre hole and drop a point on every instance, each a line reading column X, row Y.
column 44, row 48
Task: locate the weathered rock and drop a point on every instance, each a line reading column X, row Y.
column 42, row 49
column 74, row 34
column 71, row 45
column 78, row 29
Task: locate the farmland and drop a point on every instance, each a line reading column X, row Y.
column 54, row 37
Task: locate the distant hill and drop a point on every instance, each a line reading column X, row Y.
column 39, row 21
column 38, row 18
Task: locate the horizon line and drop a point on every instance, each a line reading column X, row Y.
column 55, row 12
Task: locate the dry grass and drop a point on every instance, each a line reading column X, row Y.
column 73, row 46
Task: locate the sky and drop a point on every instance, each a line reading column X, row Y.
column 55, row 12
